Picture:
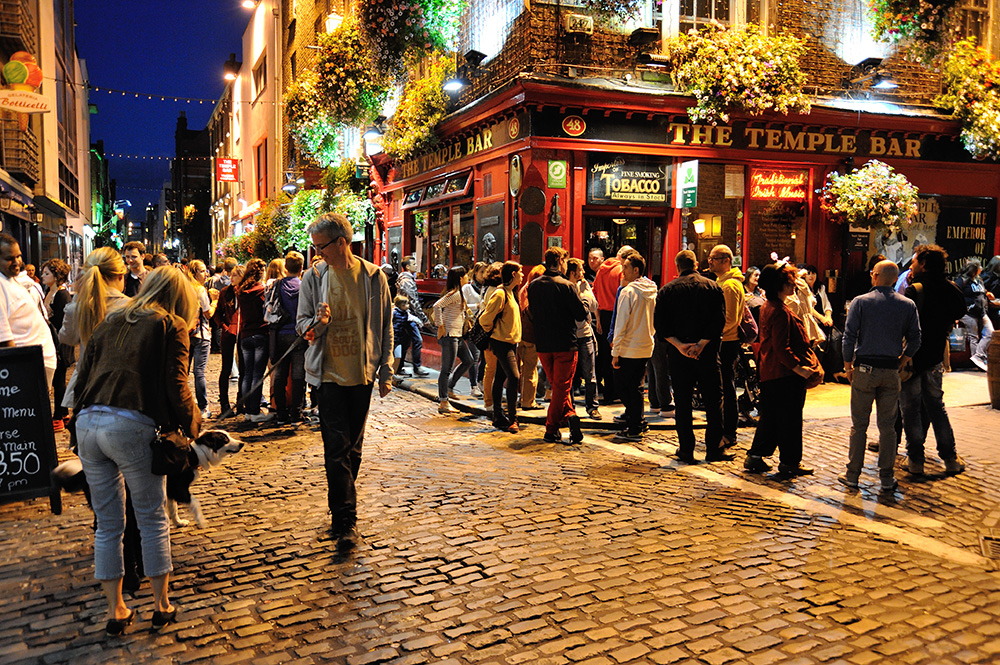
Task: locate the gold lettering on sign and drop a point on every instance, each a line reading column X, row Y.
column 723, row 136
column 783, row 185
column 754, row 135
column 678, row 129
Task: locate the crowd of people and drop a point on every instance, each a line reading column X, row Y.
column 597, row 329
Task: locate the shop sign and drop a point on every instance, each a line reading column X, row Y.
column 227, row 169
column 626, row 180
column 734, row 181
column 557, row 174
column 24, row 101
column 780, row 185
column 687, row 184
column 485, row 139
column 574, row 125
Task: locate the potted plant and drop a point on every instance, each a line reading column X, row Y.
column 971, row 78
column 871, row 196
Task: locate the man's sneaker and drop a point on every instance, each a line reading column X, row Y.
column 206, row 413
column 668, row 408
column 620, row 419
column 594, row 413
column 756, row 464
column 873, row 446
column 667, row 413
column 979, row 361
column 916, row 467
column 719, row 456
column 630, row 437
column 476, row 391
column 552, row 437
column 402, row 372
column 889, row 484
column 420, row 371
column 261, row 418
column 954, row 465
column 848, row 481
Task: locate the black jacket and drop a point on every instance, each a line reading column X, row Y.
column 939, row 303
column 555, row 308
column 690, row 308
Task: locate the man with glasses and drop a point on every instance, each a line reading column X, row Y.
column 878, row 322
column 730, row 279
column 345, row 311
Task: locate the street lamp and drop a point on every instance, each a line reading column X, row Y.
column 232, row 68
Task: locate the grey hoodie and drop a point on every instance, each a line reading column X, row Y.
column 633, row 336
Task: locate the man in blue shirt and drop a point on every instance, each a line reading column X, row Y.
column 878, row 322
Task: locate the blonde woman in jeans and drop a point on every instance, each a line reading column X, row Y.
column 119, row 410
column 449, row 312
column 502, row 317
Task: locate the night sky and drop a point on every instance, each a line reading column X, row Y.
column 166, row 47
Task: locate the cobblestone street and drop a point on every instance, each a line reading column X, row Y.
column 482, row 547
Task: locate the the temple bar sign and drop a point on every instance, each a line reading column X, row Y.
column 792, row 140
column 227, row 169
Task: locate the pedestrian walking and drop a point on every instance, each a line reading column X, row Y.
column 406, row 284
column 54, row 275
column 730, row 280
column 690, row 315
column 133, row 380
column 451, row 312
column 586, row 340
column 878, row 323
column 344, row 308
column 253, row 340
column 556, row 309
column 921, row 398
column 491, row 282
column 288, row 355
column 22, row 322
column 227, row 318
column 527, row 352
column 978, row 327
column 201, row 334
column 502, row 318
column 473, row 292
column 607, row 281
column 632, row 341
column 787, row 362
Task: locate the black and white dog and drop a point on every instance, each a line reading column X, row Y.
column 208, row 450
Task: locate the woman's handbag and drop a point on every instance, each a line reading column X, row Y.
column 812, row 362
column 467, row 321
column 171, row 452
column 480, row 336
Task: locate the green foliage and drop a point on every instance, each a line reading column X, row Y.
column 971, row 78
column 924, row 29
column 421, row 108
column 873, row 195
column 303, row 211
column 357, row 208
column 623, row 10
column 737, row 68
column 264, row 240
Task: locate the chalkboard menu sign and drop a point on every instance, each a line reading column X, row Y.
column 27, row 444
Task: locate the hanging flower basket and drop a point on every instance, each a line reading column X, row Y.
column 971, row 79
column 871, row 196
column 923, row 29
column 737, row 68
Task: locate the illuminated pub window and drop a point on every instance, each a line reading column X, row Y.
column 778, row 213
column 716, row 218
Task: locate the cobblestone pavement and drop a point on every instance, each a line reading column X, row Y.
column 482, row 547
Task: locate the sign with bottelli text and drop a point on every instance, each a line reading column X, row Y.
column 626, row 180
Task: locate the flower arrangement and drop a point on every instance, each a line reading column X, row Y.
column 737, row 68
column 971, row 79
column 873, row 195
column 623, row 10
column 264, row 240
column 924, row 29
column 421, row 107
column 316, row 134
column 397, row 31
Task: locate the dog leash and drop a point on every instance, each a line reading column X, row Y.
column 240, row 400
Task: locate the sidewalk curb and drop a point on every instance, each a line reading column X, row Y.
column 467, row 406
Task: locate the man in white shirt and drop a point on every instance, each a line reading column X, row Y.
column 21, row 320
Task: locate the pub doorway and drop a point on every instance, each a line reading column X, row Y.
column 645, row 233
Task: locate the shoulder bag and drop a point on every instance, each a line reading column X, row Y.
column 478, row 335
column 171, row 452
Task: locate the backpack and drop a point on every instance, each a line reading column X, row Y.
column 274, row 310
column 746, row 330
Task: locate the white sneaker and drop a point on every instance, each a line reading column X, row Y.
column 206, row 414
column 261, row 418
column 979, row 361
column 476, row 391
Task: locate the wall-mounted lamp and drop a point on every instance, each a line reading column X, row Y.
column 35, row 214
column 464, row 73
column 232, row 68
column 249, row 4
column 644, row 37
column 376, row 130
column 653, row 60
column 5, row 200
column 699, row 226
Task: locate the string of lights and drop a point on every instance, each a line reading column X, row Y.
column 155, row 158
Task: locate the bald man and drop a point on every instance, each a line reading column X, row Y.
column 878, row 324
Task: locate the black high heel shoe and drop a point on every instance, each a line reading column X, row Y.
column 161, row 619
column 116, row 627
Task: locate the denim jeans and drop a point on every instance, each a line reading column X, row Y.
column 658, row 377
column 254, row 351
column 586, row 369
column 873, row 384
column 924, row 390
column 293, row 365
column 229, row 351
column 628, row 385
column 450, row 347
column 111, row 447
column 199, row 361
column 506, row 375
column 411, row 339
column 728, row 353
column 343, row 412
column 979, row 333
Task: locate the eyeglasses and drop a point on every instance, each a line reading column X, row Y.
column 320, row 248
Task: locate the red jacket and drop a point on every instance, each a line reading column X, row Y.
column 783, row 341
column 606, row 283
